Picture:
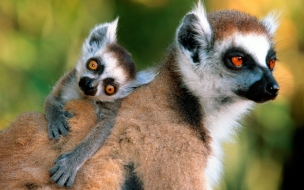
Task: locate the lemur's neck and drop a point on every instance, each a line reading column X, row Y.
column 180, row 99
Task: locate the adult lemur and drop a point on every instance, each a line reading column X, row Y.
column 105, row 73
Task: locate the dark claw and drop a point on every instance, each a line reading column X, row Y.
column 61, row 181
column 56, row 177
column 68, row 114
column 53, row 133
column 70, row 181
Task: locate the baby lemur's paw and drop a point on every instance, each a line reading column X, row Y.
column 60, row 125
column 65, row 170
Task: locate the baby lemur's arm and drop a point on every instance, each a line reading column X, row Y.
column 64, row 90
column 67, row 165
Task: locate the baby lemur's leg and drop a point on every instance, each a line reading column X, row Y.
column 54, row 103
column 67, row 165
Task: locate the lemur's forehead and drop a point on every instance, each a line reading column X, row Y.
column 256, row 45
column 112, row 68
column 225, row 23
column 123, row 58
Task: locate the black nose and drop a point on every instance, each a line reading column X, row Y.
column 272, row 89
column 86, row 86
column 262, row 91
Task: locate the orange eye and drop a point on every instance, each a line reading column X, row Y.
column 272, row 63
column 110, row 89
column 237, row 61
column 93, row 65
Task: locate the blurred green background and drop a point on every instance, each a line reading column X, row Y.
column 40, row 40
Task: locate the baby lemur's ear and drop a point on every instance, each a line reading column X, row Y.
column 100, row 36
column 194, row 33
column 142, row 78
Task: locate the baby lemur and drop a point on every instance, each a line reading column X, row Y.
column 105, row 73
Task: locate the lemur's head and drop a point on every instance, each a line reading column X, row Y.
column 106, row 70
column 230, row 53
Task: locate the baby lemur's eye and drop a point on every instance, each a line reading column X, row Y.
column 93, row 65
column 237, row 61
column 110, row 89
column 272, row 63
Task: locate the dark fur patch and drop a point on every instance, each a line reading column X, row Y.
column 187, row 37
column 100, row 67
column 184, row 102
column 188, row 105
column 31, row 186
column 98, row 36
column 132, row 182
column 249, row 61
column 124, row 58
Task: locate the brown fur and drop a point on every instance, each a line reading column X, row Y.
column 27, row 154
column 226, row 22
column 166, row 150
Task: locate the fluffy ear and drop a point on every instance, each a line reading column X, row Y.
column 195, row 32
column 142, row 78
column 271, row 22
column 99, row 36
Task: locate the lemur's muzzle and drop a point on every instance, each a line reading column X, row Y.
column 86, row 85
column 263, row 90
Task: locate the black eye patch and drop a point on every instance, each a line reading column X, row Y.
column 237, row 58
column 271, row 58
column 95, row 65
column 110, row 86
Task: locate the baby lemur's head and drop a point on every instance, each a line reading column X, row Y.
column 228, row 56
column 106, row 70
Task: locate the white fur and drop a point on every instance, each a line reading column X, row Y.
column 202, row 27
column 71, row 91
column 111, row 33
column 112, row 69
column 271, row 22
column 110, row 37
column 222, row 126
column 200, row 11
column 256, row 45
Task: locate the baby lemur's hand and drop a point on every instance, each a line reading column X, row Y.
column 65, row 169
column 60, row 125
